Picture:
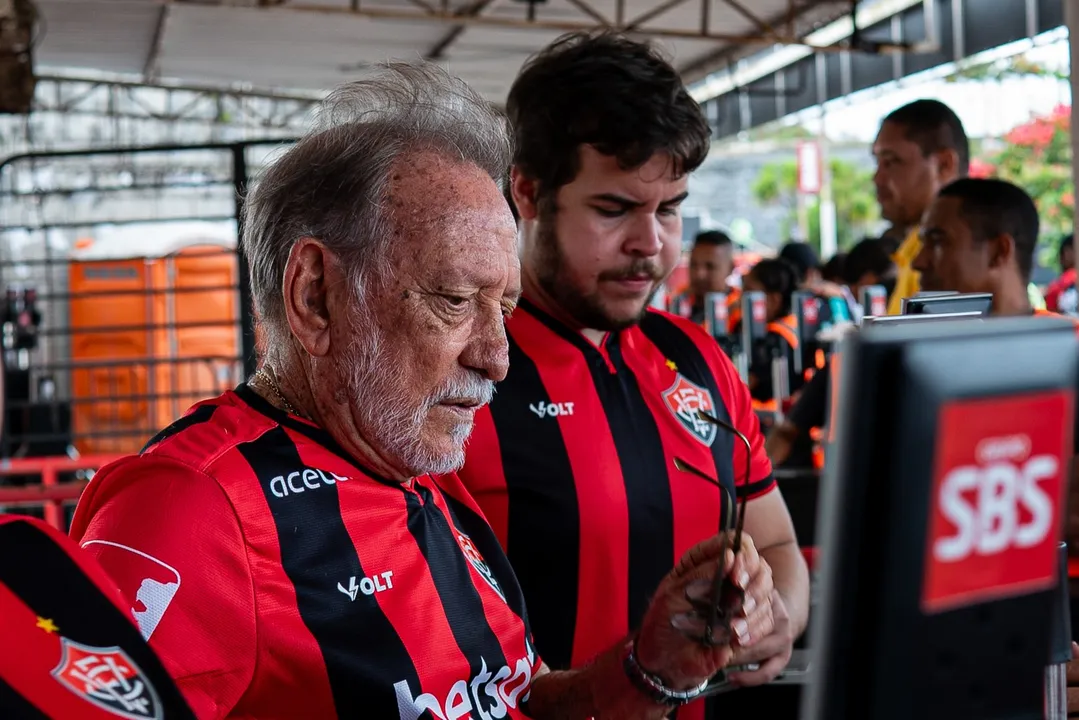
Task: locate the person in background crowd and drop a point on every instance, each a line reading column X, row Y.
column 804, row 259
column 834, row 305
column 301, row 547
column 777, row 279
column 573, row 461
column 920, row 147
column 711, row 262
column 868, row 263
column 1062, row 295
column 833, row 269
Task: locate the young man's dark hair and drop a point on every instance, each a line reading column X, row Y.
column 716, row 238
column 995, row 207
column 934, row 127
column 608, row 91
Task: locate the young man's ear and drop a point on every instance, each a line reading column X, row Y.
column 947, row 165
column 523, row 190
column 1001, row 251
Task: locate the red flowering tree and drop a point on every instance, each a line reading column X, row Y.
column 1037, row 156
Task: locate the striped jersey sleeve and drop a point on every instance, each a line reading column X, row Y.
column 168, row 536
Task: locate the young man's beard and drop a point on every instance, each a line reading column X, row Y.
column 587, row 309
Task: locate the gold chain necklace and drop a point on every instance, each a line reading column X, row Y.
column 271, row 384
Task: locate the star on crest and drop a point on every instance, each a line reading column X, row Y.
column 672, row 366
column 47, row 625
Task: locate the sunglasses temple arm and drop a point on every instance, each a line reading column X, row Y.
column 749, row 468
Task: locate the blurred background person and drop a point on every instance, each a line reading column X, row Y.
column 711, row 263
column 1062, row 296
column 777, row 279
column 920, row 147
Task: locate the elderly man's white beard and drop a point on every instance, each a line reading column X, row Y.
column 392, row 428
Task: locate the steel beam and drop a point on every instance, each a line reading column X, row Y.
column 523, row 23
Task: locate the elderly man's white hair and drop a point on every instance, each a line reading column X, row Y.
column 331, row 184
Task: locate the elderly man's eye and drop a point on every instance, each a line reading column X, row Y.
column 455, row 301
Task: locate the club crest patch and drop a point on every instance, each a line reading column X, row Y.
column 109, row 679
column 685, row 399
column 479, row 563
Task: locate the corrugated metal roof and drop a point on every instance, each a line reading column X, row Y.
column 316, row 44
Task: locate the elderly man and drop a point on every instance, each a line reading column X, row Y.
column 285, row 546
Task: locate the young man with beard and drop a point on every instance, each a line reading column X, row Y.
column 286, row 547
column 574, row 463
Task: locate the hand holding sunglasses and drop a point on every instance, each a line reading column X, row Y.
column 736, row 604
column 716, row 600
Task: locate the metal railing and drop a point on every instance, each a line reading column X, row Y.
column 124, row 300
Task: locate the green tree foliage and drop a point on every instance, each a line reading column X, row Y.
column 852, row 190
column 1037, row 157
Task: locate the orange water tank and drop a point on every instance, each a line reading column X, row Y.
column 150, row 337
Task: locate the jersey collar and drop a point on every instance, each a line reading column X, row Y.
column 313, row 432
column 609, row 351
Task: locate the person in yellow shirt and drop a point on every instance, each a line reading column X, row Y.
column 920, row 148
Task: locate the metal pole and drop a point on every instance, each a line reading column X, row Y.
column 1056, row 672
column 247, row 315
column 1071, row 19
column 826, row 205
column 1056, row 692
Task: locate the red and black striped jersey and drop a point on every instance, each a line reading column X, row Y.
column 72, row 649
column 573, row 464
column 276, row 577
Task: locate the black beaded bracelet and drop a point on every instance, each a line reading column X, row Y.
column 652, row 686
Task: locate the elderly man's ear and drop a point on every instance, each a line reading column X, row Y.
column 307, row 290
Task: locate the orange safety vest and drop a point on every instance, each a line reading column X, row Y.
column 786, row 328
column 833, row 409
column 734, row 309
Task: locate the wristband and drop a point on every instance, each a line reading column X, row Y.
column 652, row 685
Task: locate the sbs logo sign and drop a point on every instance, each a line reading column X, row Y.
column 998, row 482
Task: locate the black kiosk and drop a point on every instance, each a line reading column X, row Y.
column 940, row 521
column 940, row 303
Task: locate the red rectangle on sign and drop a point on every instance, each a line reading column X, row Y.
column 999, row 478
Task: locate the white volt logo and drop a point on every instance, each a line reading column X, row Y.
column 367, row 585
column 546, row 409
